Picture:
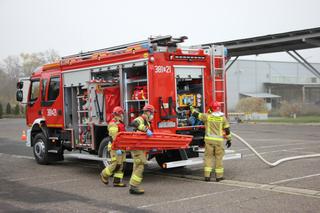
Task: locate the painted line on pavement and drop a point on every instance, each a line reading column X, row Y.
column 31, row 178
column 32, row 158
column 248, row 156
column 294, row 179
column 15, row 156
column 276, row 139
column 61, row 181
column 251, row 185
column 187, row 198
column 273, row 188
column 272, row 146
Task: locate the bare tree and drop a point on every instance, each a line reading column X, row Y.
column 30, row 62
column 34, row 60
column 12, row 66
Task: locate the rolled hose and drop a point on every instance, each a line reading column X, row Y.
column 277, row 162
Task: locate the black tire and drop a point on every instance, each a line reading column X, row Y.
column 104, row 153
column 168, row 156
column 40, row 149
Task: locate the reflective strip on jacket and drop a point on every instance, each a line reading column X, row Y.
column 143, row 124
column 114, row 127
column 215, row 125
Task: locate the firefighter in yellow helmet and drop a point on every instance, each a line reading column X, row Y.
column 217, row 129
column 116, row 166
column 142, row 124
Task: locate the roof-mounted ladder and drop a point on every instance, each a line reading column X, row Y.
column 157, row 41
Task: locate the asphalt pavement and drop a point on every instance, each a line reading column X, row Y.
column 250, row 186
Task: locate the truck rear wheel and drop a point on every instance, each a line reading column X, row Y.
column 168, row 156
column 103, row 152
column 40, row 149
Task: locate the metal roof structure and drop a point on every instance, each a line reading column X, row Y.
column 260, row 95
column 281, row 42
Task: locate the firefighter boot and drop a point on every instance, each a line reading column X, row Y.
column 135, row 190
column 104, row 179
column 219, row 179
column 117, row 182
column 207, row 179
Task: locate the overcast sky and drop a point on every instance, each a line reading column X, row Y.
column 71, row 26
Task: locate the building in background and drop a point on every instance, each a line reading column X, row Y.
column 273, row 81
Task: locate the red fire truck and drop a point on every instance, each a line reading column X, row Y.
column 69, row 103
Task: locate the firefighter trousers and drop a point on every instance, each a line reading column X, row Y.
column 116, row 166
column 213, row 149
column 139, row 159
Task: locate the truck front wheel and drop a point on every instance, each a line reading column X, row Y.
column 40, row 149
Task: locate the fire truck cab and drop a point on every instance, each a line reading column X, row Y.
column 70, row 102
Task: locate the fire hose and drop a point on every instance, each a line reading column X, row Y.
column 277, row 162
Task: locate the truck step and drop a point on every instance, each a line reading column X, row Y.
column 199, row 160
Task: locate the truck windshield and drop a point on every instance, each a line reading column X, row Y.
column 35, row 89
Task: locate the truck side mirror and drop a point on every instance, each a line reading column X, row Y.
column 19, row 95
column 20, row 85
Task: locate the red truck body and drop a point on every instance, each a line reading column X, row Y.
column 70, row 101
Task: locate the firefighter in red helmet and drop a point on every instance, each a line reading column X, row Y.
column 118, row 157
column 217, row 129
column 142, row 124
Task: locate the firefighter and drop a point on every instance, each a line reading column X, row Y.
column 116, row 166
column 216, row 130
column 142, row 124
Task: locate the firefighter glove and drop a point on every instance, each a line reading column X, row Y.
column 149, row 133
column 228, row 143
column 119, row 152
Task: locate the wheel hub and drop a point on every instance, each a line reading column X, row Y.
column 39, row 149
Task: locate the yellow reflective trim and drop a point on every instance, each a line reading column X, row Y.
column 203, row 117
column 113, row 128
column 106, row 172
column 136, row 178
column 219, row 170
column 118, row 175
column 215, row 118
column 207, row 169
column 109, row 146
column 113, row 158
column 213, row 138
column 141, row 126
